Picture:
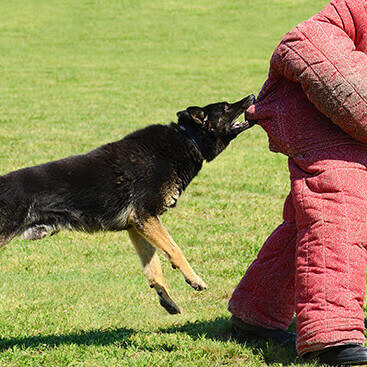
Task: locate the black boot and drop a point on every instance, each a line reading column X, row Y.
column 341, row 355
column 243, row 331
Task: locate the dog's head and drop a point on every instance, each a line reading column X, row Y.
column 215, row 125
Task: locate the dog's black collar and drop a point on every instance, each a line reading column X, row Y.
column 192, row 136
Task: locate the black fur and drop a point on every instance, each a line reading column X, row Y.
column 145, row 172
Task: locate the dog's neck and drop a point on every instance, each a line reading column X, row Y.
column 190, row 133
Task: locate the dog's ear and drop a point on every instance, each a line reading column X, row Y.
column 197, row 114
column 193, row 113
column 183, row 116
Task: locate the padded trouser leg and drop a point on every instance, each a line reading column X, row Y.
column 265, row 295
column 331, row 217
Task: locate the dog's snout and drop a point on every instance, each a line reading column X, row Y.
column 252, row 98
column 245, row 102
column 249, row 100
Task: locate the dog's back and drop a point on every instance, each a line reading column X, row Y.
column 97, row 190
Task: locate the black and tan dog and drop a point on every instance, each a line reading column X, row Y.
column 123, row 185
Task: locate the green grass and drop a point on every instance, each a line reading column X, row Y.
column 77, row 74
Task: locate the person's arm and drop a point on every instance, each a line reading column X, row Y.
column 321, row 54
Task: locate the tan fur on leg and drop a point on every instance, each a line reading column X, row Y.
column 152, row 229
column 152, row 269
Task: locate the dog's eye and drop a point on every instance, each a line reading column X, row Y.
column 226, row 106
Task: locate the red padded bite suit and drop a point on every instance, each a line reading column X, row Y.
column 313, row 107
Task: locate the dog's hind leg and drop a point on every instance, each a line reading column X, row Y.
column 152, row 229
column 36, row 232
column 152, row 269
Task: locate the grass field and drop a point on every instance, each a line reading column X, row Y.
column 79, row 73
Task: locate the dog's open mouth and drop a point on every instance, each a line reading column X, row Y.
column 238, row 124
column 241, row 124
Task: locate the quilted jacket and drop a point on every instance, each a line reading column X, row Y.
column 316, row 92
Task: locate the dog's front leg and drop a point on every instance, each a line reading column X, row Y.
column 152, row 229
column 152, row 269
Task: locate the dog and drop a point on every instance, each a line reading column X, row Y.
column 124, row 185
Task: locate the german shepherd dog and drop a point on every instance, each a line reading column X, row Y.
column 123, row 185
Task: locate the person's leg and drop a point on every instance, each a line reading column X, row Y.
column 330, row 198
column 265, row 295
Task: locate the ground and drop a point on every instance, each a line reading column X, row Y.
column 78, row 74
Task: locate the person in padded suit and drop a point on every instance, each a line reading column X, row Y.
column 313, row 107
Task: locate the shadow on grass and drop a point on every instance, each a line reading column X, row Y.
column 218, row 329
column 92, row 337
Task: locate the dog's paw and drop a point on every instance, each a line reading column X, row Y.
column 197, row 284
column 170, row 306
column 166, row 301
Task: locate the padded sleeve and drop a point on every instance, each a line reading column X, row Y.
column 322, row 55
